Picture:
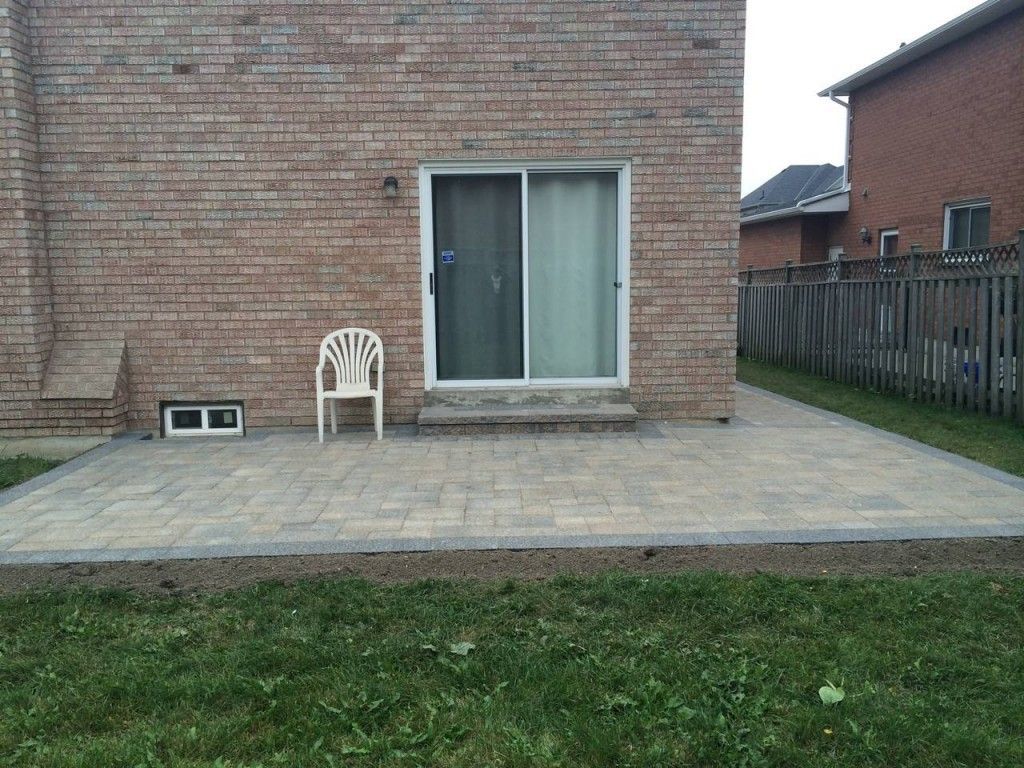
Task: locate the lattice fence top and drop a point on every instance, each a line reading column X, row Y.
column 992, row 261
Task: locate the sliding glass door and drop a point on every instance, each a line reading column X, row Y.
column 525, row 276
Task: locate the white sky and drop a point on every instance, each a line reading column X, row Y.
column 796, row 48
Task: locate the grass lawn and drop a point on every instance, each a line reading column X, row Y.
column 18, row 469
column 996, row 442
column 696, row 669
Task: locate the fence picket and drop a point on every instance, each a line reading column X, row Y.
column 994, row 339
column 1008, row 349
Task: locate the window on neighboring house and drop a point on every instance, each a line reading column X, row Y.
column 967, row 224
column 889, row 242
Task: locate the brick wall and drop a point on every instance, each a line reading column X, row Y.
column 947, row 128
column 770, row 243
column 26, row 329
column 212, row 177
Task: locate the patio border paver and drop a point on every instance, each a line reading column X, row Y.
column 377, row 546
column 541, row 541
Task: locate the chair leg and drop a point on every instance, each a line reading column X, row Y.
column 320, row 418
column 334, row 417
column 378, row 414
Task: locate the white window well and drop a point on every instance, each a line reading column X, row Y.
column 184, row 419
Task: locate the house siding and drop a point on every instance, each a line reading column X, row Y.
column 211, row 176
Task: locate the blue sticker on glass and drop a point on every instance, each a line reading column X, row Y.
column 447, row 257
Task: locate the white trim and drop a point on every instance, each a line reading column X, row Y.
column 837, row 201
column 204, row 411
column 430, row 168
column 947, row 217
column 884, row 233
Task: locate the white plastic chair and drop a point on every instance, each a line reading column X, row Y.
column 352, row 352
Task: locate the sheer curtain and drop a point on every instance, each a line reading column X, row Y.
column 573, row 237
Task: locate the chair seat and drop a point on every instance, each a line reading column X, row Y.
column 341, row 394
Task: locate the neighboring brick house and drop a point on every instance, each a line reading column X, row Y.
column 788, row 216
column 194, row 194
column 935, row 150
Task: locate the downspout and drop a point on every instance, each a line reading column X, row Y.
column 846, row 143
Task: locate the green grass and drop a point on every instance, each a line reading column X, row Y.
column 612, row 670
column 996, row 442
column 18, row 469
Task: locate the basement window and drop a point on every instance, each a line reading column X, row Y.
column 185, row 419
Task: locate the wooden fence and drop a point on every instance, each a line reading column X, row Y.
column 944, row 327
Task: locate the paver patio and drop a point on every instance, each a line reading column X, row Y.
column 779, row 472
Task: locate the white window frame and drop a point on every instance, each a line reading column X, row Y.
column 836, row 252
column 430, row 168
column 882, row 235
column 947, row 228
column 204, row 409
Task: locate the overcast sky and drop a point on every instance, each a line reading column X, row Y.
column 796, row 48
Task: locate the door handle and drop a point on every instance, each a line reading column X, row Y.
column 617, row 284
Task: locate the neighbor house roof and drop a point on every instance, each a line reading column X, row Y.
column 797, row 190
column 961, row 26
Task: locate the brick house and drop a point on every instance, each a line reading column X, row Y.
column 519, row 194
column 788, row 216
column 935, row 151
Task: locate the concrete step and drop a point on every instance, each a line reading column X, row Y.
column 488, row 414
column 494, row 396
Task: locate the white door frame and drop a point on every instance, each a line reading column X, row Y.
column 430, row 168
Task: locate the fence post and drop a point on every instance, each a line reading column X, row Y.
column 750, row 274
column 1020, row 327
column 839, row 267
column 789, row 270
column 915, row 259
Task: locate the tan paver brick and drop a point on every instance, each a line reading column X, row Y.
column 777, row 469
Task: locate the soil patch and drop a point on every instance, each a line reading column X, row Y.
column 182, row 577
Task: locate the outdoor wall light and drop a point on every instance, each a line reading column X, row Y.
column 390, row 187
column 865, row 235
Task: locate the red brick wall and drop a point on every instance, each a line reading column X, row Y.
column 815, row 238
column 771, row 243
column 946, row 128
column 212, row 177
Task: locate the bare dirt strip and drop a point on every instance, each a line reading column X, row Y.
column 184, row 577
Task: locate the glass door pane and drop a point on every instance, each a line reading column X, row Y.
column 478, row 277
column 573, row 238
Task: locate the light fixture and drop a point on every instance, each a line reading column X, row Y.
column 390, row 187
column 865, row 235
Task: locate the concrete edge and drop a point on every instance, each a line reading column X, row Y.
column 937, row 453
column 378, row 546
column 116, row 443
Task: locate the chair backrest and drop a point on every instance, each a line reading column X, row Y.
column 352, row 352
